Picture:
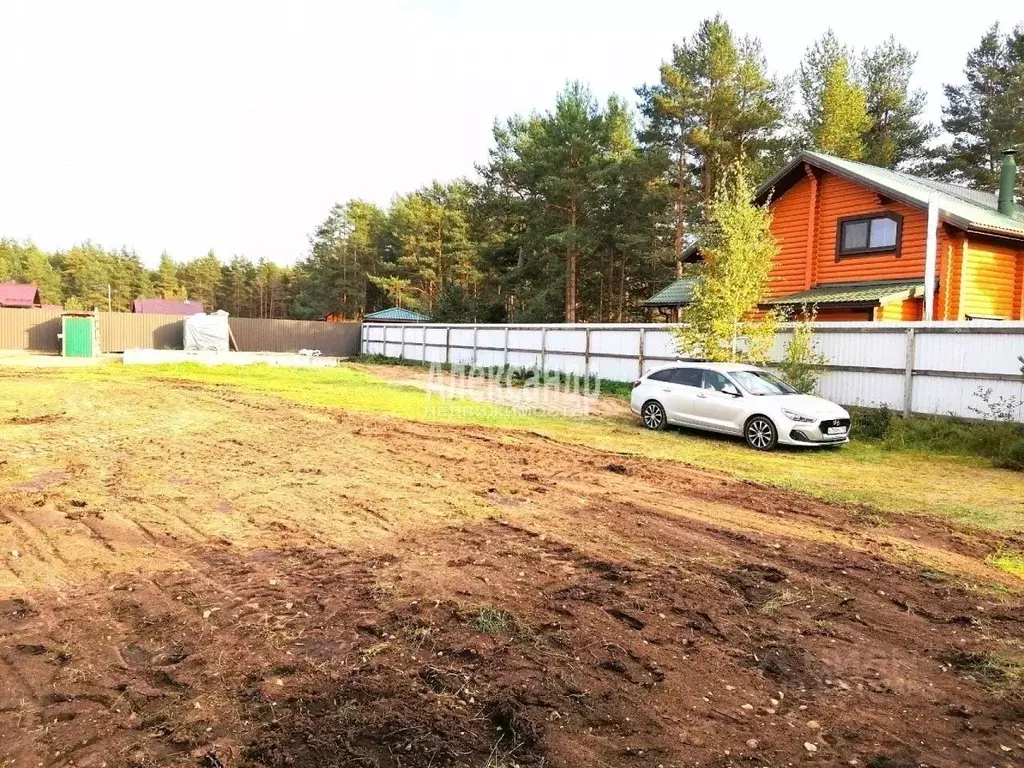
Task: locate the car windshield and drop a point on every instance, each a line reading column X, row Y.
column 762, row 383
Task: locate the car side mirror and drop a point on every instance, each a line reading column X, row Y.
column 730, row 389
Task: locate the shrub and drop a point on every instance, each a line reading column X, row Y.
column 1013, row 458
column 871, row 423
column 1000, row 441
column 801, row 363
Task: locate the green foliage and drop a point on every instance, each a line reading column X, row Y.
column 165, row 280
column 897, row 137
column 801, row 362
column 983, row 116
column 713, row 106
column 1013, row 457
column 74, row 304
column 346, row 248
column 200, row 279
column 1000, row 441
column 835, row 105
column 26, row 263
column 571, row 188
column 722, row 323
column 872, row 423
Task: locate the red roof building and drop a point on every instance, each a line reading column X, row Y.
column 19, row 295
column 167, row 307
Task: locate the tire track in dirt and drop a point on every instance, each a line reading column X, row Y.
column 620, row 612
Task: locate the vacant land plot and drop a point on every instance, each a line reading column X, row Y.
column 299, row 568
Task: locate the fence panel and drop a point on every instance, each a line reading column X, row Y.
column 261, row 335
column 37, row 330
column 125, row 330
column 912, row 367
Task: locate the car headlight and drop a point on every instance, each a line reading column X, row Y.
column 796, row 416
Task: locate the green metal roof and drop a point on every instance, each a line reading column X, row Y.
column 397, row 315
column 854, row 293
column 970, row 209
column 678, row 294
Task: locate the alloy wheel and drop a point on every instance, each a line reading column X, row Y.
column 653, row 416
column 760, row 434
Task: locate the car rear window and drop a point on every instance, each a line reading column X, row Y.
column 665, row 375
column 688, row 377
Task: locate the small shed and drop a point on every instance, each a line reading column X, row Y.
column 396, row 315
column 80, row 334
column 167, row 307
column 24, row 295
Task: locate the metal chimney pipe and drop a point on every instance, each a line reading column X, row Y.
column 1007, row 182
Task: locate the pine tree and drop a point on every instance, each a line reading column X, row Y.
column 200, row 279
column 897, row 136
column 344, row 249
column 548, row 168
column 835, row 117
column 86, row 273
column 26, row 263
column 985, row 115
column 714, row 105
column 165, row 280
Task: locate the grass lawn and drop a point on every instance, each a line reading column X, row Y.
column 963, row 488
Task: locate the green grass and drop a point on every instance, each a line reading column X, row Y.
column 964, row 488
column 492, row 621
column 999, row 440
column 513, row 376
column 1011, row 562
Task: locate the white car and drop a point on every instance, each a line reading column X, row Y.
column 736, row 399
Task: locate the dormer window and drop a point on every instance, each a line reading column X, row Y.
column 869, row 234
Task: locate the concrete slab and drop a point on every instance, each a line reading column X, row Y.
column 165, row 356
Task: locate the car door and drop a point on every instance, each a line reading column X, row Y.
column 715, row 407
column 685, row 387
column 674, row 398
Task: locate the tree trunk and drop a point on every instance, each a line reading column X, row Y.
column 622, row 288
column 570, row 270
column 680, row 214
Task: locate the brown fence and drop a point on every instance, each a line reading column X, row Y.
column 37, row 329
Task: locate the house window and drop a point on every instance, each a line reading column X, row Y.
column 865, row 235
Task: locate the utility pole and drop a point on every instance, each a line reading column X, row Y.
column 109, row 304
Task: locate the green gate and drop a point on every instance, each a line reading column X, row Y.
column 79, row 335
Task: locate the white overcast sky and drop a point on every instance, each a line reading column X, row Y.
column 236, row 125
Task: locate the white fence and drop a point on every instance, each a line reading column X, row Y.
column 911, row 367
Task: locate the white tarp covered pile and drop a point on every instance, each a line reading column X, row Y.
column 207, row 332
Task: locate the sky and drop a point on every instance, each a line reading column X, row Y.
column 185, row 126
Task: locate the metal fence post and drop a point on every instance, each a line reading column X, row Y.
column 543, row 350
column 423, row 354
column 908, row 372
column 640, row 357
column 401, row 355
column 447, row 345
column 476, row 330
column 586, row 352
column 506, row 347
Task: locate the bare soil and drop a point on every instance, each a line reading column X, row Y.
column 193, row 576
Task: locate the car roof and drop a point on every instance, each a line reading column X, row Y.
column 724, row 367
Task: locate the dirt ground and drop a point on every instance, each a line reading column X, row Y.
column 200, row 577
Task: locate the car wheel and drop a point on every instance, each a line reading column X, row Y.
column 760, row 433
column 653, row 415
